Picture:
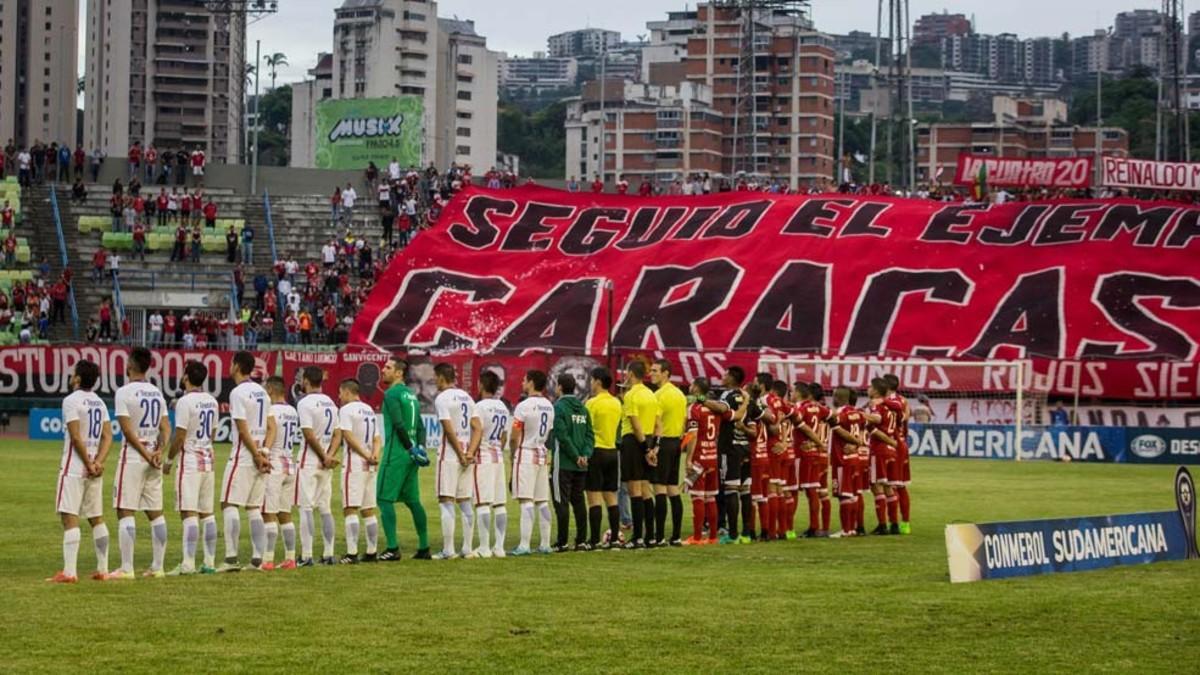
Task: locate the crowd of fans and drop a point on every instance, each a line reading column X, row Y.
column 29, row 308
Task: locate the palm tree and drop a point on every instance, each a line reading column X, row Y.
column 274, row 61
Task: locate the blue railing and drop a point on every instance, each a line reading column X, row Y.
column 270, row 224
column 118, row 304
column 234, row 309
column 66, row 263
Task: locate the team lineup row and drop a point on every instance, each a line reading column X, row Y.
column 752, row 448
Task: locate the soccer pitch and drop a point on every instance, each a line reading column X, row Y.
column 871, row 604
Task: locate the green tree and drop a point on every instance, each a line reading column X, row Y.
column 538, row 138
column 275, row 115
column 274, row 61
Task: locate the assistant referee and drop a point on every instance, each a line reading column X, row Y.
column 672, row 406
column 603, row 469
column 639, row 455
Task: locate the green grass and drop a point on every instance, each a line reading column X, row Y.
column 877, row 604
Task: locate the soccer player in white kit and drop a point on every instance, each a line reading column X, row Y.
column 80, row 483
column 318, row 423
column 461, row 433
column 195, row 423
column 280, row 495
column 142, row 413
column 246, row 472
column 533, row 421
column 490, row 493
column 364, row 442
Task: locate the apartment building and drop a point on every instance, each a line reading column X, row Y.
column 588, row 42
column 467, row 98
column 164, row 72
column 39, row 49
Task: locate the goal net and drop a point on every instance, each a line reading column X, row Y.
column 957, row 408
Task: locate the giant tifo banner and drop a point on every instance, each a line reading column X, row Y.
column 354, row 131
column 1066, row 172
column 1146, row 174
column 45, row 372
column 1100, row 293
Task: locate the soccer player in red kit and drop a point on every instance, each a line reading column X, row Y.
column 783, row 463
column 759, row 415
column 704, row 426
column 847, row 439
column 884, row 417
column 811, row 431
column 903, row 471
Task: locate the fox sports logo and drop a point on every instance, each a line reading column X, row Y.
column 1148, row 446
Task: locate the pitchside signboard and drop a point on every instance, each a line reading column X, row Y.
column 1023, row 548
column 354, row 131
column 1126, row 445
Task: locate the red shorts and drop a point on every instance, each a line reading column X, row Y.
column 706, row 486
column 782, row 468
column 849, row 479
column 814, row 469
column 760, row 477
column 883, row 464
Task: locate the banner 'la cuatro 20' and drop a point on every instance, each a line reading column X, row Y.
column 1065, row 172
column 527, row 269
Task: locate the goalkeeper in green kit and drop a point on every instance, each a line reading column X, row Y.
column 403, row 455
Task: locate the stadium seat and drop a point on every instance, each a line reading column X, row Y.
column 95, row 223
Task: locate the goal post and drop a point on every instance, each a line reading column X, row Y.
column 957, row 408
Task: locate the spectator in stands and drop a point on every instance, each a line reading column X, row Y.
column 372, row 175
column 239, row 283
column 335, row 205
column 135, row 158
column 329, row 254
column 306, row 326
column 266, row 328
column 129, row 216
column 231, row 243
column 6, row 216
column 181, row 162
column 260, row 289
column 97, row 160
column 26, row 335
column 198, row 208
column 177, row 248
column 349, row 197
column 248, row 244
column 116, row 207
column 151, row 161
column 126, row 330
column 283, row 290
column 135, row 187
column 114, row 264
column 291, row 326
column 79, row 158
column 170, row 328
column 106, row 316
column 78, row 190
column 293, row 301
column 38, row 166
column 210, row 214
column 393, row 169
column 173, row 205
column 364, row 258
column 92, row 332
column 139, row 209
column 185, row 208
column 162, row 207
column 43, row 268
column 197, row 243
column 329, row 319
column 99, row 259
column 10, row 248
column 154, row 325
column 64, row 162
column 198, row 162
column 168, row 162
column 24, row 168
column 139, row 242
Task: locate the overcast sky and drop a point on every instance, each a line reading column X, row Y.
column 304, row 27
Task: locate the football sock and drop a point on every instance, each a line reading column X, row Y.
column 698, row 510
column 747, row 514
column 210, row 540
column 902, row 493
column 272, row 538
column 732, row 503
column 371, row 527
column 860, row 510
column 500, row 518
column 258, row 534
column 660, row 515
column 351, row 526
column 447, row 513
column 526, row 524
column 387, row 514
column 650, row 512
column 420, row 523
column 233, row 532
column 826, row 508
column 789, row 512
column 70, row 551
column 676, row 516
column 881, row 509
column 846, row 515
column 814, row 508
column 484, row 512
column 544, row 524
column 614, row 524
column 327, row 533
column 191, row 537
column 761, row 505
column 100, row 542
column 595, row 522
column 288, row 530
column 468, row 522
column 126, row 536
column 158, row 541
column 711, row 508
column 639, row 517
column 306, row 533
column 893, row 509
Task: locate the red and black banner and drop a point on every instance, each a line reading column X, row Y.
column 1102, row 290
column 1064, row 172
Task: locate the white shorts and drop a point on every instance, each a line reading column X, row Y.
column 243, row 486
column 314, row 489
column 79, row 496
column 197, row 170
column 488, row 480
column 194, row 490
column 531, row 481
column 453, row 480
column 358, row 489
column 280, row 494
column 138, row 487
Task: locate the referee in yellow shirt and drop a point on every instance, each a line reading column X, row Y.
column 639, row 455
column 604, row 466
column 672, row 406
